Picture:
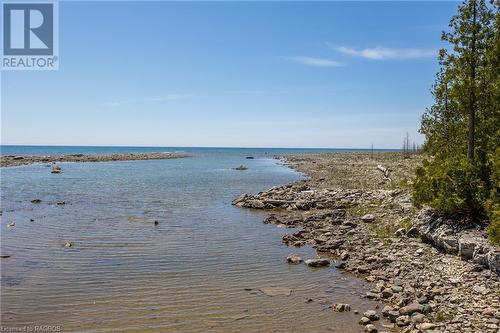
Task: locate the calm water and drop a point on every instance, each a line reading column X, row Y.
column 59, row 150
column 198, row 270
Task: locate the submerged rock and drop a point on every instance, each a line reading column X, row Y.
column 142, row 220
column 276, row 291
column 241, row 167
column 340, row 307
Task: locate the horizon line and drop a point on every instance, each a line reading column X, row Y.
column 223, row 147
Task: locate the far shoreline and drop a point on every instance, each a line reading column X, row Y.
column 20, row 160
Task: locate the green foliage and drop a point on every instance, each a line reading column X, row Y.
column 492, row 205
column 449, row 185
column 467, row 87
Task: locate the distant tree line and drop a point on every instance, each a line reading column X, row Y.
column 462, row 127
column 409, row 148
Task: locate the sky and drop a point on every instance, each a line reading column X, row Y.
column 231, row 74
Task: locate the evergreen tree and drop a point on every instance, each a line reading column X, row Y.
column 462, row 128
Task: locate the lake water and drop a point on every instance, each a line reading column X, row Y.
column 60, row 150
column 199, row 270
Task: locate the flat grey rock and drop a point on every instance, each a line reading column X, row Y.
column 276, row 291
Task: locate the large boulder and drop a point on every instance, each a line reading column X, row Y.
column 293, row 259
column 319, row 262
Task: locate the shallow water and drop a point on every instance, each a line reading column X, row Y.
column 199, row 270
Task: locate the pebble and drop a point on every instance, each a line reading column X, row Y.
column 480, row 290
column 364, row 321
column 387, row 293
column 370, row 328
column 393, row 315
column 386, row 310
column 411, row 309
column 426, row 326
column 372, row 295
column 417, row 318
column 403, row 321
column 397, row 289
column 368, row 218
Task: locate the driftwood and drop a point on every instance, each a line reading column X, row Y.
column 385, row 171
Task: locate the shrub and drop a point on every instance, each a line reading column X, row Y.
column 449, row 185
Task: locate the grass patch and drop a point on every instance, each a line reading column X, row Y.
column 358, row 210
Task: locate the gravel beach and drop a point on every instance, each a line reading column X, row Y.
column 429, row 273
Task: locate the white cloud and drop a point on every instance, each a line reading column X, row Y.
column 311, row 61
column 383, row 53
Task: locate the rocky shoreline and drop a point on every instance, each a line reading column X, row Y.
column 429, row 273
column 18, row 160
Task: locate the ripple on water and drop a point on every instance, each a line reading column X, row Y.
column 200, row 269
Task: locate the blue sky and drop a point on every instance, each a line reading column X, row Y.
column 323, row 74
